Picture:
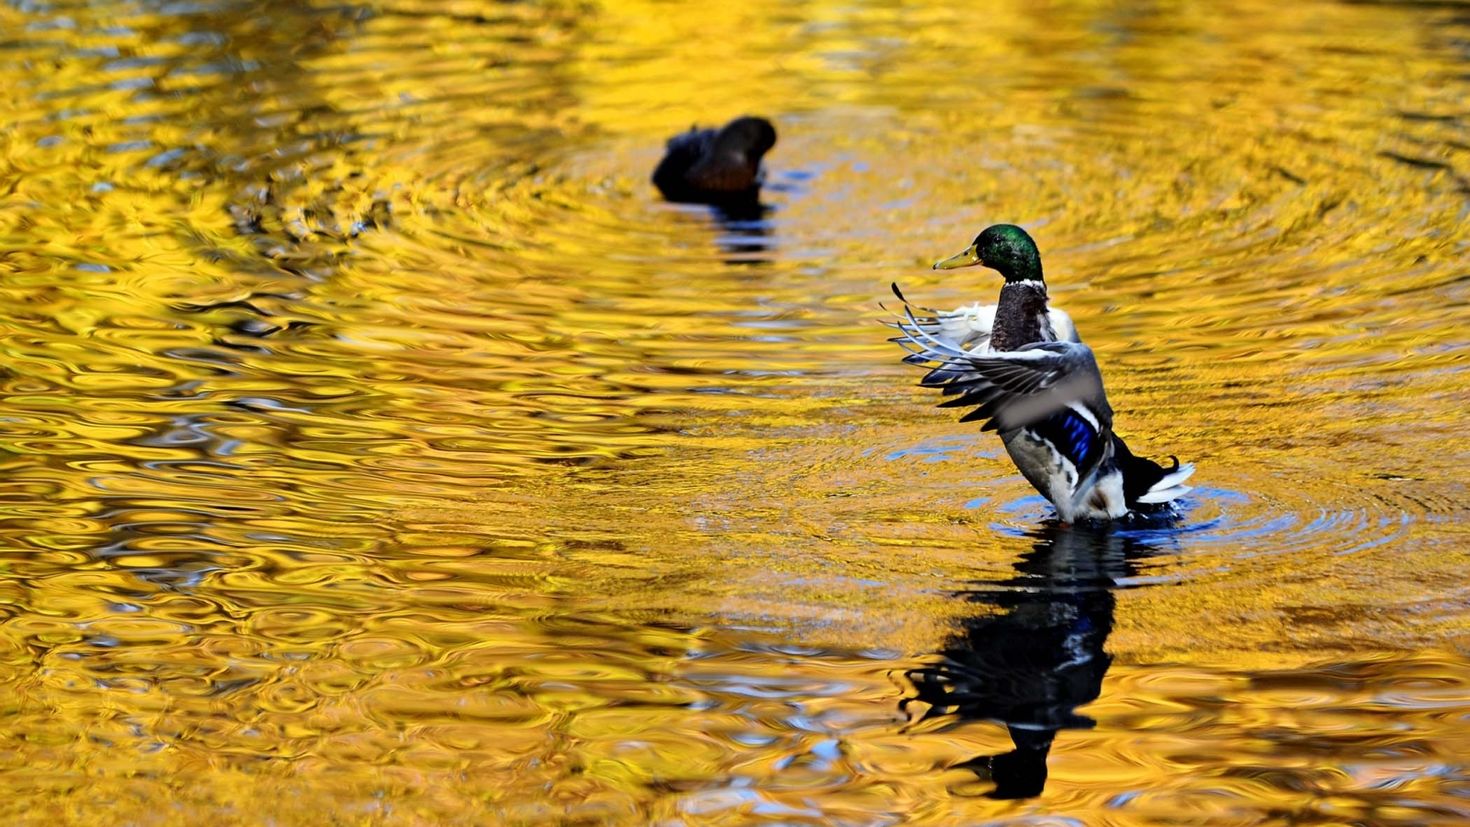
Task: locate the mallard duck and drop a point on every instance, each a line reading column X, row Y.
column 709, row 166
column 1030, row 377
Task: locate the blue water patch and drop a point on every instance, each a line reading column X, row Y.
column 939, row 449
column 943, row 449
column 165, row 158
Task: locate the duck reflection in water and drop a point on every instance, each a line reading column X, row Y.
column 1030, row 666
column 745, row 234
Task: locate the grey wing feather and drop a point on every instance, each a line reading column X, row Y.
column 940, row 336
column 1014, row 388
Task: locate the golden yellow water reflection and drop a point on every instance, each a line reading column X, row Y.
column 376, row 448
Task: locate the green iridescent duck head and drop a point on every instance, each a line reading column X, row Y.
column 1005, row 248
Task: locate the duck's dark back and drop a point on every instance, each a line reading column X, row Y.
column 684, row 151
column 715, row 166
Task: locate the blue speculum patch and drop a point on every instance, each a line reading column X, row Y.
column 1072, row 435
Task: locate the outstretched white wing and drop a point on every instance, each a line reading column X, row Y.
column 966, row 328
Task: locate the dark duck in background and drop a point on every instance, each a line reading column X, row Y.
column 1022, row 366
column 721, row 167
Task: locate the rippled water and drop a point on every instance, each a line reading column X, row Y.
column 376, row 448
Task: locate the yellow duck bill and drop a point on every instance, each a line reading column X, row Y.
column 969, row 258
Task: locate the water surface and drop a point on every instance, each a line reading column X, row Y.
column 376, row 448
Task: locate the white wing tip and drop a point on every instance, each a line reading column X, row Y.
column 1173, row 478
column 1165, row 496
column 1171, row 487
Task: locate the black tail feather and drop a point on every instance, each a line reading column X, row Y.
column 1139, row 474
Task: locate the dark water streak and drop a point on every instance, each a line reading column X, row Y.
column 1043, row 656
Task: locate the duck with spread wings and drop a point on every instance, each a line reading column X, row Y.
column 1022, row 367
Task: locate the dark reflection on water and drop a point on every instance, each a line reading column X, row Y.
column 743, row 232
column 747, row 231
column 1030, row 666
